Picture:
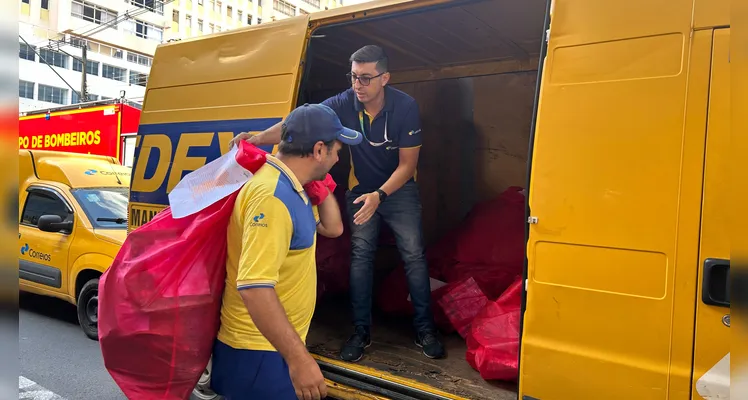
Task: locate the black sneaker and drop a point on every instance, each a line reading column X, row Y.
column 353, row 349
column 432, row 347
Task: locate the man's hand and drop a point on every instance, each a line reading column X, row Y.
column 371, row 203
column 242, row 136
column 307, row 379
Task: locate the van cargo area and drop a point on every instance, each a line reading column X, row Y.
column 473, row 69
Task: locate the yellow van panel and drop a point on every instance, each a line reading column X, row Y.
column 711, row 13
column 249, row 72
column 615, row 186
column 712, row 341
column 201, row 93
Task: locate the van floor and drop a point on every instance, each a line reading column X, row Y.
column 393, row 351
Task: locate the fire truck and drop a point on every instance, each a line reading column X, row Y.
column 106, row 128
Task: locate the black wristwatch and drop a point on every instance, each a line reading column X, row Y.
column 382, row 195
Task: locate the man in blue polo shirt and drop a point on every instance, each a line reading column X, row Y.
column 381, row 188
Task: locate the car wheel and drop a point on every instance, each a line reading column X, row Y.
column 88, row 309
column 203, row 391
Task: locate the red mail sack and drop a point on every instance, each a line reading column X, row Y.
column 160, row 301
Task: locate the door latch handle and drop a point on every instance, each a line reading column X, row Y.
column 715, row 289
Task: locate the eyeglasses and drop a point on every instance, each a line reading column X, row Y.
column 365, row 80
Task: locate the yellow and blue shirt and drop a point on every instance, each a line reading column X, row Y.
column 372, row 166
column 271, row 243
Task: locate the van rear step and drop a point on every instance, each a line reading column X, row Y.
column 377, row 385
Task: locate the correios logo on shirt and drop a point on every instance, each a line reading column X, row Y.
column 257, row 221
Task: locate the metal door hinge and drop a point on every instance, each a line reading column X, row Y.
column 532, row 220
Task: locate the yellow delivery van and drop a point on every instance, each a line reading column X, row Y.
column 73, row 220
column 612, row 114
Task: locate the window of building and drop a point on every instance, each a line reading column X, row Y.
column 25, row 1
column 188, row 20
column 313, row 3
column 78, row 42
column 92, row 13
column 52, row 57
column 284, row 7
column 200, row 25
column 45, row 4
column 175, row 16
column 26, row 52
column 156, row 6
column 77, row 99
column 139, row 59
column 136, row 78
column 259, row 3
column 211, row 28
column 249, row 19
column 259, row 20
column 239, row 16
column 219, row 6
column 199, row 2
column 110, row 51
column 115, row 73
column 303, row 11
column 26, row 90
column 229, row 11
column 218, row 28
column 53, row 94
column 92, row 67
column 144, row 30
column 42, row 202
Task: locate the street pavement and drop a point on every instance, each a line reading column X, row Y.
column 57, row 361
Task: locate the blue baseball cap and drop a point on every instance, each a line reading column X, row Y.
column 312, row 123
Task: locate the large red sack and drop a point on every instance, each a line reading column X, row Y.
column 461, row 302
column 159, row 302
column 493, row 342
column 488, row 246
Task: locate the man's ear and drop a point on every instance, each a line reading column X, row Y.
column 319, row 150
column 385, row 78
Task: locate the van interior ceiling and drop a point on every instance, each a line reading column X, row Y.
column 472, row 67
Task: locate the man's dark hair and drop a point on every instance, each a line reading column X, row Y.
column 370, row 54
column 298, row 149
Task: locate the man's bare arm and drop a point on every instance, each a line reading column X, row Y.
column 330, row 221
column 270, row 136
column 270, row 318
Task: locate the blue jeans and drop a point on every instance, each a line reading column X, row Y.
column 401, row 211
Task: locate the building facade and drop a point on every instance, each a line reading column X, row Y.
column 120, row 37
column 190, row 18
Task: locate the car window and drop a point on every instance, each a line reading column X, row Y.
column 105, row 207
column 42, row 202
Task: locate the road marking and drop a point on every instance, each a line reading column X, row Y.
column 30, row 390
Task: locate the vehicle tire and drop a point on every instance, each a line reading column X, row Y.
column 88, row 309
column 202, row 390
column 204, row 394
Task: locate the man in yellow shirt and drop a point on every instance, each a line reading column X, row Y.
column 271, row 278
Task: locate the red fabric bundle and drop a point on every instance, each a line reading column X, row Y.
column 461, row 302
column 493, row 342
column 159, row 302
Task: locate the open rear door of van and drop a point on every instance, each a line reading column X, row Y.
column 204, row 91
column 615, row 199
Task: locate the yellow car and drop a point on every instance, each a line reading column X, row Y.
column 73, row 221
